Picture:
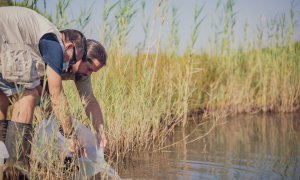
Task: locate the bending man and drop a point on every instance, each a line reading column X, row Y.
column 31, row 47
column 80, row 73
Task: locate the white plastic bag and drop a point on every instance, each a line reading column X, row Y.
column 3, row 155
column 92, row 163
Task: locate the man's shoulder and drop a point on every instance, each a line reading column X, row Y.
column 52, row 52
column 84, row 85
column 67, row 76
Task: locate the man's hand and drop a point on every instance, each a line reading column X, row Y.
column 101, row 140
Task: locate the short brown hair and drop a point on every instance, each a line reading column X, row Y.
column 79, row 40
column 96, row 50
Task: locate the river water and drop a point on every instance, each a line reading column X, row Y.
column 264, row 146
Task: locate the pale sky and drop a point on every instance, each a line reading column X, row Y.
column 253, row 12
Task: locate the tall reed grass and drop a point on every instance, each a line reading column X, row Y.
column 144, row 95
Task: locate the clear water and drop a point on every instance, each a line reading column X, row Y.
column 240, row 147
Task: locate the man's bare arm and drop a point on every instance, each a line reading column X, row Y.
column 93, row 111
column 59, row 101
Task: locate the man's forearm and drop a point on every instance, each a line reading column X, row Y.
column 59, row 100
column 93, row 111
column 60, row 108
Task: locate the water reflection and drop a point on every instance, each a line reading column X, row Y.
column 241, row 147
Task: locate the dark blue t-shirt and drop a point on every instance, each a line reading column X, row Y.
column 52, row 52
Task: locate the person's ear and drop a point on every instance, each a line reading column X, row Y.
column 69, row 46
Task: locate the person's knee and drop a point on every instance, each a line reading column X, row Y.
column 28, row 99
column 24, row 106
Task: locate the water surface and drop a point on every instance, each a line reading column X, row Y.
column 241, row 147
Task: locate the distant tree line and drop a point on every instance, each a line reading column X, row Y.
column 5, row 2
